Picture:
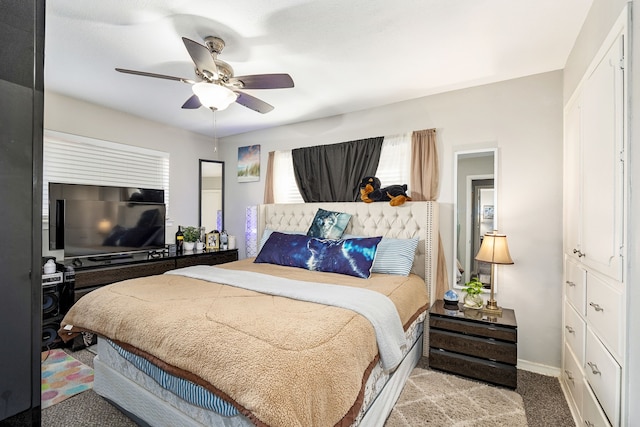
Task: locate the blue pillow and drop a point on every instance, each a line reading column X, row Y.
column 353, row 257
column 328, row 224
column 268, row 231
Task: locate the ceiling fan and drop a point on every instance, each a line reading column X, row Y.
column 216, row 87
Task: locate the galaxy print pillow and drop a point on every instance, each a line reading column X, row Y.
column 353, row 257
column 328, row 224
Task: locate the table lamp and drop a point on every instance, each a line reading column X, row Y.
column 494, row 250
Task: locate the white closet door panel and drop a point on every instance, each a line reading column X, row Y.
column 574, row 331
column 575, row 284
column 573, row 377
column 572, row 201
column 591, row 411
column 602, row 115
column 605, row 308
column 604, row 376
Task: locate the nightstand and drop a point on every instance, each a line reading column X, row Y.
column 469, row 343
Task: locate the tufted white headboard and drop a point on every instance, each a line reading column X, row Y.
column 369, row 219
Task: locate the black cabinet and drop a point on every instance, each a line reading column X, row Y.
column 471, row 343
column 91, row 277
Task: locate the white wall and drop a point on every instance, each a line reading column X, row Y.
column 69, row 115
column 523, row 118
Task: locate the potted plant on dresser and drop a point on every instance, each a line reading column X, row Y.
column 191, row 236
column 473, row 291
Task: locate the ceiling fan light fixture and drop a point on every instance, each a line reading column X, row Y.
column 213, row 95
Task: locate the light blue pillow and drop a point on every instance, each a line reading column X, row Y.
column 353, row 257
column 395, row 256
column 328, row 224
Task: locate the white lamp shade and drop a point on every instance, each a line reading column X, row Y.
column 494, row 249
column 213, row 95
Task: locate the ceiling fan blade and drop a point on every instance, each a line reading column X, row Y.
column 253, row 103
column 157, row 76
column 265, row 81
column 202, row 58
column 192, row 103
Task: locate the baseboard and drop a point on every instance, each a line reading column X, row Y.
column 538, row 368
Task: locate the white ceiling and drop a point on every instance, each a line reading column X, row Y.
column 343, row 56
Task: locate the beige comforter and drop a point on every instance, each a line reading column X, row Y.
column 282, row 362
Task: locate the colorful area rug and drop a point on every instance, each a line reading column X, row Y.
column 63, row 377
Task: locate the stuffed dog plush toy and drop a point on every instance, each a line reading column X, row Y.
column 371, row 191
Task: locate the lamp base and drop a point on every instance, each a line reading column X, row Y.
column 492, row 308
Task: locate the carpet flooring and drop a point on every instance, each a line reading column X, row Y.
column 541, row 397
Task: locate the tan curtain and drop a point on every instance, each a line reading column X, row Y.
column 425, row 174
column 425, row 182
column 268, row 181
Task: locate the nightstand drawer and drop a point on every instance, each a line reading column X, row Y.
column 491, row 349
column 492, row 372
column 471, row 328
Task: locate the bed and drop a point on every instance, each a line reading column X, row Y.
column 273, row 345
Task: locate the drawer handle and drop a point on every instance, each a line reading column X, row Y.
column 596, row 307
column 580, row 254
column 569, row 375
column 569, row 329
column 570, row 283
column 594, row 368
column 589, row 423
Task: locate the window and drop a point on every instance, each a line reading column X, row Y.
column 284, row 181
column 73, row 159
column 395, row 160
column 394, row 168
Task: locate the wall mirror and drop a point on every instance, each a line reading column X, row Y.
column 211, row 195
column 475, row 213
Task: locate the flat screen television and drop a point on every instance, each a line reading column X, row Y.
column 102, row 221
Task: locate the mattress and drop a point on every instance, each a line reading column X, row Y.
column 203, row 406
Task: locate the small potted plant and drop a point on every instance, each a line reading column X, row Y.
column 191, row 236
column 473, row 289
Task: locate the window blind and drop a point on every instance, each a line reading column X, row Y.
column 284, row 182
column 73, row 159
column 395, row 160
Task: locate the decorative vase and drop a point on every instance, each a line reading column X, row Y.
column 473, row 301
column 188, row 246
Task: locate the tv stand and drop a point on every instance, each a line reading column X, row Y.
column 108, row 258
column 92, row 277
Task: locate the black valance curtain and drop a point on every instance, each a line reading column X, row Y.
column 332, row 173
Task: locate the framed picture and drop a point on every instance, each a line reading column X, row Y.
column 249, row 163
column 212, row 240
column 487, row 212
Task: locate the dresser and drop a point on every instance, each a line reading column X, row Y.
column 595, row 195
column 469, row 343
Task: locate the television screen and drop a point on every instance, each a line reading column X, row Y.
column 99, row 220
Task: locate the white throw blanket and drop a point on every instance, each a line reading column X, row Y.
column 375, row 307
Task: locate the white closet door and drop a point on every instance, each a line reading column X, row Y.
column 602, row 126
column 572, row 179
